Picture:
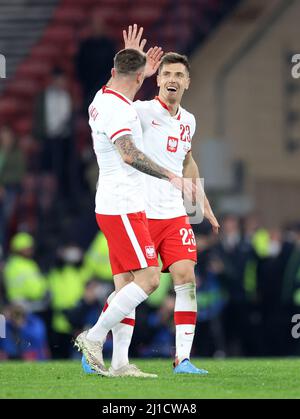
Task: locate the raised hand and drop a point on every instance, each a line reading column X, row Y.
column 133, row 39
column 153, row 61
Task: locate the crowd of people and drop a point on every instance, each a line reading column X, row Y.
column 248, row 289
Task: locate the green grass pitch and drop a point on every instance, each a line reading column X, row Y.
column 238, row 378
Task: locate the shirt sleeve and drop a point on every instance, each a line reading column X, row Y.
column 118, row 123
column 114, row 122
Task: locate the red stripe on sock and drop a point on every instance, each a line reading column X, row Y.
column 185, row 317
column 130, row 322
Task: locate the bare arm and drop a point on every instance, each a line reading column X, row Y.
column 137, row 159
column 190, row 168
column 191, row 171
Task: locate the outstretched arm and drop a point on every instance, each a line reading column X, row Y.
column 136, row 158
column 191, row 171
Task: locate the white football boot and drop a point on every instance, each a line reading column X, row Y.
column 129, row 370
column 92, row 352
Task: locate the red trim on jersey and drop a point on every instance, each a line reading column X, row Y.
column 112, row 92
column 105, row 307
column 130, row 322
column 165, row 106
column 185, row 317
column 162, row 103
column 118, row 132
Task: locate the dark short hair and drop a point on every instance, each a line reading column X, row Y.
column 174, row 58
column 129, row 61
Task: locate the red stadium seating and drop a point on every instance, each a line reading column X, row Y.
column 59, row 35
column 45, row 52
column 70, row 15
column 167, row 23
column 22, row 126
column 36, row 70
column 144, row 15
column 9, row 108
column 25, row 88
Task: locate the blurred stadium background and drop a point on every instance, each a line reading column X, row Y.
column 55, row 273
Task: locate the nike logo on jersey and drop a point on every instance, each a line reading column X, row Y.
column 191, row 250
column 155, row 123
column 186, row 333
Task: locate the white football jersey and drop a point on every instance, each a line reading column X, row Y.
column 166, row 140
column 120, row 186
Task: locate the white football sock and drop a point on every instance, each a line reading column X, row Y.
column 122, row 335
column 185, row 314
column 108, row 301
column 124, row 302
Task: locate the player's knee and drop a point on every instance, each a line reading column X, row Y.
column 154, row 281
column 185, row 276
column 149, row 279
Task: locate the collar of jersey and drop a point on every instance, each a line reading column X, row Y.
column 106, row 89
column 165, row 106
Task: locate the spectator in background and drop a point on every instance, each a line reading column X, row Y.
column 12, row 169
column 50, row 219
column 30, row 148
column 24, row 217
column 96, row 261
column 66, row 285
column 157, row 336
column 211, row 298
column 290, row 296
column 95, row 59
column 25, row 335
column 53, row 127
column 233, row 253
column 23, row 280
column 86, row 312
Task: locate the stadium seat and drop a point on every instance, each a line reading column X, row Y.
column 144, row 15
column 111, row 15
column 69, row 15
column 114, row 3
column 59, row 34
column 154, row 3
column 9, row 108
column 30, row 69
column 82, row 3
column 45, row 52
column 22, row 126
column 25, row 88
